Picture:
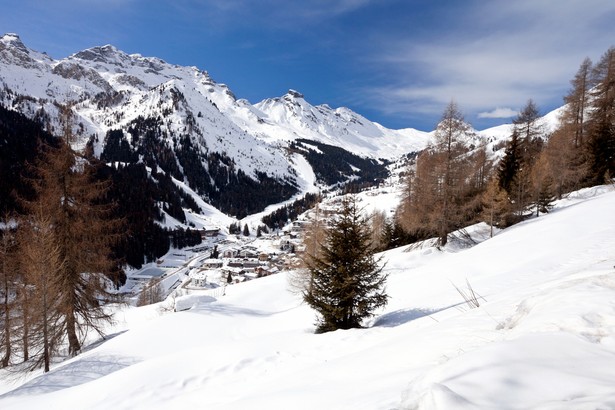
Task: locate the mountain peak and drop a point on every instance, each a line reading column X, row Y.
column 13, row 40
column 294, row 94
column 102, row 54
column 14, row 51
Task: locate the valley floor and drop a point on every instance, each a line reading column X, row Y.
column 543, row 336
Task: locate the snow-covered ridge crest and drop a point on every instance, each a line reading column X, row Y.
column 109, row 88
column 84, row 75
column 291, row 116
column 106, row 69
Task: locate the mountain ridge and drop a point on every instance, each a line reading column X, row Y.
column 108, row 69
column 180, row 119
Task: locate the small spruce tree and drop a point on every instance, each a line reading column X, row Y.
column 347, row 283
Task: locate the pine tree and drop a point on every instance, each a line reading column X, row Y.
column 84, row 230
column 443, row 189
column 601, row 133
column 42, row 266
column 528, row 126
column 544, row 202
column 8, row 278
column 347, row 281
column 510, row 163
column 386, row 236
column 566, row 163
column 521, row 153
column 450, row 144
column 565, row 154
column 577, row 102
column 393, row 234
column 234, row 228
column 496, row 206
column 542, row 186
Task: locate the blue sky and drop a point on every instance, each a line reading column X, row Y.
column 397, row 62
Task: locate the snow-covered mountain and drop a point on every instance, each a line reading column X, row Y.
column 180, row 119
column 291, row 116
column 176, row 118
column 109, row 89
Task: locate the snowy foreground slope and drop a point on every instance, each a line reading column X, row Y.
column 543, row 337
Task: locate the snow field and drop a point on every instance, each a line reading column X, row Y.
column 542, row 338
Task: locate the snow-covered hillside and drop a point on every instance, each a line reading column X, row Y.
column 110, row 88
column 496, row 137
column 543, row 336
column 179, row 119
column 142, row 109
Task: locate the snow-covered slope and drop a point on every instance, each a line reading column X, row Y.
column 183, row 108
column 496, row 137
column 291, row 116
column 543, row 336
column 161, row 109
column 110, row 88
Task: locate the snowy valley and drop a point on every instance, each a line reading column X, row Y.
column 542, row 336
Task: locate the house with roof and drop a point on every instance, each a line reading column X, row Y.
column 230, row 253
column 213, row 263
column 198, row 279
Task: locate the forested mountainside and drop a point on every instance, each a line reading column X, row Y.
column 142, row 198
column 175, row 141
column 236, row 156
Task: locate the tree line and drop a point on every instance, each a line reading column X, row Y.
column 213, row 175
column 454, row 183
column 56, row 261
column 69, row 224
column 334, row 165
column 279, row 218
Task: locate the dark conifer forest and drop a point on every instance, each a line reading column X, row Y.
column 334, row 165
column 212, row 175
column 134, row 192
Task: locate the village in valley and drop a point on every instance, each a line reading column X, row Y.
column 221, row 260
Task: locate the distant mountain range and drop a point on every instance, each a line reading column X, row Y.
column 135, row 109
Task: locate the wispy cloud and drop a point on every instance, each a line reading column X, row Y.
column 491, row 55
column 271, row 13
column 498, row 113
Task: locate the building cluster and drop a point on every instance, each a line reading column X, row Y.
column 237, row 264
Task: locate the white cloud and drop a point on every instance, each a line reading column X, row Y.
column 498, row 113
column 277, row 13
column 497, row 54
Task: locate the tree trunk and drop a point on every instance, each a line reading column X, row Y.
column 46, row 353
column 7, row 327
column 25, row 336
column 71, row 331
